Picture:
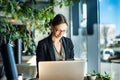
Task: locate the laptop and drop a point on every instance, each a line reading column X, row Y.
column 61, row 70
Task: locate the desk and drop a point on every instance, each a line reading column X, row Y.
column 38, row 79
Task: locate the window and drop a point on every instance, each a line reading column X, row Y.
column 109, row 36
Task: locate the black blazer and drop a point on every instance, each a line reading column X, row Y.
column 45, row 50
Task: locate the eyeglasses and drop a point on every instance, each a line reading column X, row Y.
column 59, row 31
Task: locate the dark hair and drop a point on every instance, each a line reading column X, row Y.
column 58, row 19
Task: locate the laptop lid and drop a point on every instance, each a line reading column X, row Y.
column 61, row 70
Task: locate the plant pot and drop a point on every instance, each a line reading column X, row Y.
column 98, row 79
column 91, row 77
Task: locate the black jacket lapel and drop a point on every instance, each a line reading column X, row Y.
column 51, row 49
column 65, row 48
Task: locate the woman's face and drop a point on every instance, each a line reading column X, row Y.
column 59, row 30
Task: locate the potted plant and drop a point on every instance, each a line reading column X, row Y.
column 6, row 49
column 104, row 76
column 99, row 76
column 31, row 16
column 91, row 76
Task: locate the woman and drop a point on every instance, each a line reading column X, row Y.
column 56, row 47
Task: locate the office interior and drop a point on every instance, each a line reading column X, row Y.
column 94, row 30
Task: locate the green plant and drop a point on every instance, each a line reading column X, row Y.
column 9, row 31
column 103, row 77
column 100, row 76
column 30, row 16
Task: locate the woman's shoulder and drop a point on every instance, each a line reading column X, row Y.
column 67, row 40
column 45, row 40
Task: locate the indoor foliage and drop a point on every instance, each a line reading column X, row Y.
column 27, row 12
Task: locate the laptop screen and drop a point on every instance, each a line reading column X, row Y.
column 61, row 70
